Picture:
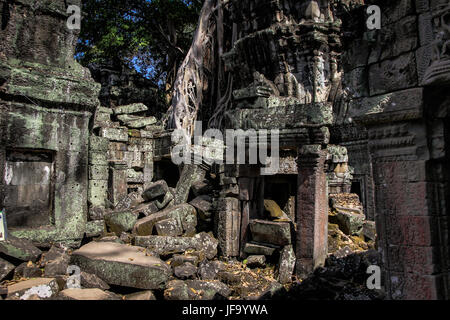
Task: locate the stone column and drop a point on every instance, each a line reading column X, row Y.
column 118, row 184
column 312, row 210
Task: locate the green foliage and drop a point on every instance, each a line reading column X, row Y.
column 152, row 36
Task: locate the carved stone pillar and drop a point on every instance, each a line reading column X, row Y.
column 312, row 210
column 118, row 187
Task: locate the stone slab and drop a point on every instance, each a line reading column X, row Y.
column 122, row 265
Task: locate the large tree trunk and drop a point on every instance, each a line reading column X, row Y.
column 190, row 82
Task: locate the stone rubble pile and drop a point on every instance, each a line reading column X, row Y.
column 348, row 229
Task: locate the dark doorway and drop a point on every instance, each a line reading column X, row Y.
column 168, row 171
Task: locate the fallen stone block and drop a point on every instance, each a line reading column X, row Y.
column 209, row 270
column 133, row 200
column 191, row 173
column 141, row 296
column 28, row 270
column 286, row 266
column 122, row 265
column 130, row 109
column 166, row 201
column 185, row 215
column 20, row 249
column 209, row 290
column 275, row 233
column 43, row 288
column 259, row 249
column 5, row 268
column 166, row 246
column 56, row 262
column 185, row 271
column 256, row 262
column 200, row 188
column 125, row 118
column 119, row 222
column 141, row 123
column 108, row 238
column 370, row 230
column 350, row 223
column 203, row 204
column 87, row 295
column 196, row 290
column 169, row 227
column 91, row 281
column 146, row 209
column 126, row 238
column 134, row 176
column 178, row 260
column 155, row 190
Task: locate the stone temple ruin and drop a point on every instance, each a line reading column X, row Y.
column 363, row 136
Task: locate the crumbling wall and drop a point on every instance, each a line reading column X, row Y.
column 46, row 102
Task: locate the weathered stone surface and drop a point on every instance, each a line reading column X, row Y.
column 114, row 134
column 167, row 201
column 86, row 295
column 179, row 259
column 227, row 222
column 119, row 222
column 196, row 290
column 98, row 144
column 171, row 245
column 141, row 123
column 209, row 270
column 203, row 204
column 141, row 296
column 286, row 265
column 27, row 270
column 44, row 288
column 370, row 230
column 256, row 261
column 118, row 182
column 21, row 249
column 91, row 281
column 5, row 268
column 392, row 75
column 275, row 233
column 122, row 265
column 169, row 227
column 130, row 109
column 56, row 262
column 189, row 175
column 259, row 249
column 132, row 200
column 146, row 209
column 156, row 190
column 185, row 215
column 110, row 238
column 95, row 228
column 185, row 271
column 200, row 188
column 350, row 223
